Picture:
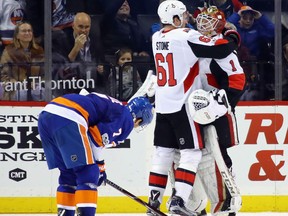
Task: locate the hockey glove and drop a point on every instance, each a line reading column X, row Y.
column 233, row 34
column 102, row 176
column 205, row 107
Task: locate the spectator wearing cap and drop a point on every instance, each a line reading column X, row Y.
column 256, row 32
column 254, row 29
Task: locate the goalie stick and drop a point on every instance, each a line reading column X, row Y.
column 135, row 198
column 148, row 87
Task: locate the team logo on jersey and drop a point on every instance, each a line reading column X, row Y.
column 182, row 141
column 186, row 30
column 74, row 158
column 17, row 16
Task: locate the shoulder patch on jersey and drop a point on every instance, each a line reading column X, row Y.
column 186, row 30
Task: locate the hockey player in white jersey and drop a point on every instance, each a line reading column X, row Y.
column 176, row 52
column 225, row 74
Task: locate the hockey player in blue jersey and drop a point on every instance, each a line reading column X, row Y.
column 74, row 128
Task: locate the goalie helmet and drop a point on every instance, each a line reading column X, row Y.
column 141, row 108
column 168, row 9
column 211, row 21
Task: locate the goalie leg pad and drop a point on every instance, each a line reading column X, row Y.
column 211, row 143
column 198, row 198
column 224, row 175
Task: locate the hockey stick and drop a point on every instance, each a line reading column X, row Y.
column 135, row 198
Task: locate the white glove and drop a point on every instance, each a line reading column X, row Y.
column 205, row 107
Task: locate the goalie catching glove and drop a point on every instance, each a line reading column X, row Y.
column 205, row 107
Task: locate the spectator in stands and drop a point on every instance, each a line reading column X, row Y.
column 19, row 78
column 80, row 48
column 119, row 30
column 11, row 13
column 254, row 29
column 128, row 72
column 91, row 7
column 257, row 34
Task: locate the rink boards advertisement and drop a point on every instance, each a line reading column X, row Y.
column 260, row 163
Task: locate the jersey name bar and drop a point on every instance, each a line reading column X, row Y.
column 162, row 45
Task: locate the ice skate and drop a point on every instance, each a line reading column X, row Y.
column 177, row 207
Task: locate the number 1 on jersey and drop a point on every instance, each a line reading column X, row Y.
column 162, row 72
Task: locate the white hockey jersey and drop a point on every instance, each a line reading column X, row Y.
column 176, row 54
column 229, row 74
column 11, row 13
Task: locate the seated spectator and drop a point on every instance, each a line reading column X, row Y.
column 19, row 78
column 11, row 13
column 254, row 29
column 124, row 93
column 81, row 51
column 119, row 30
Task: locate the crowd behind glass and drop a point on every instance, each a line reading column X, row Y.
column 105, row 46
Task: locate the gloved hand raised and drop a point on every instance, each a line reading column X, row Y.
column 102, row 176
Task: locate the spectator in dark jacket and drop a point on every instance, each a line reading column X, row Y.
column 119, row 30
column 254, row 29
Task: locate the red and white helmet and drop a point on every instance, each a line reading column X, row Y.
column 211, row 21
column 170, row 8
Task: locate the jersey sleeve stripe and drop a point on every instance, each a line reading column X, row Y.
column 70, row 104
column 237, row 81
column 188, row 82
column 96, row 135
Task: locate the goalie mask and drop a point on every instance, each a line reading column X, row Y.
column 168, row 9
column 210, row 21
column 141, row 108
